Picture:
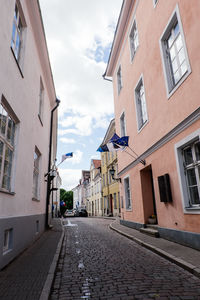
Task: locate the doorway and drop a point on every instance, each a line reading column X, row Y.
column 148, row 194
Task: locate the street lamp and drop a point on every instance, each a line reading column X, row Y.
column 112, row 174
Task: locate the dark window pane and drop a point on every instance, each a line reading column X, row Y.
column 197, row 151
column 188, row 156
column 191, row 177
column 194, row 195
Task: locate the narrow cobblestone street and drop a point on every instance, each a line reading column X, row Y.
column 97, row 263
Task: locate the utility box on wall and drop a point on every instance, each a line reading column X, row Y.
column 165, row 188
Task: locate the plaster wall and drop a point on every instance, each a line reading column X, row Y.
column 164, row 113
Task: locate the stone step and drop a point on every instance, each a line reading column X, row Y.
column 150, row 231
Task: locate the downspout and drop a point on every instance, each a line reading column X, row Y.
column 49, row 166
column 105, row 78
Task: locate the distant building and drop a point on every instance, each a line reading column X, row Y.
column 94, row 206
column 154, row 65
column 84, row 182
column 27, row 97
column 110, row 186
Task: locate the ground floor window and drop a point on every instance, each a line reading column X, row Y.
column 7, row 243
column 127, row 193
column 188, row 157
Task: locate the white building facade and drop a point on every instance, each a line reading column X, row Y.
column 27, row 98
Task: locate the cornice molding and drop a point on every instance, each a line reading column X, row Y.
column 192, row 118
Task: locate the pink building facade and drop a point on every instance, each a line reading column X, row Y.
column 27, row 98
column 154, row 65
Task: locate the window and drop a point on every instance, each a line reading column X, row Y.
column 155, row 2
column 36, row 173
column 133, row 38
column 191, row 159
column 8, row 240
column 174, row 54
column 188, row 158
column 7, row 138
column 41, row 101
column 141, row 105
column 122, row 124
column 17, row 32
column 127, row 193
column 119, row 79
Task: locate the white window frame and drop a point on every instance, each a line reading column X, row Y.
column 171, row 85
column 36, row 174
column 18, row 34
column 119, row 79
column 133, row 39
column 141, row 108
column 41, row 102
column 155, row 2
column 128, row 202
column 187, row 207
column 8, row 144
column 122, row 121
column 8, row 240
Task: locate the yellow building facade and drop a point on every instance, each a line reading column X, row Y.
column 110, row 186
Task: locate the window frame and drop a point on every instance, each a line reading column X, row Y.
column 128, row 202
column 37, row 175
column 119, row 79
column 138, row 108
column 8, row 240
column 171, row 87
column 8, row 144
column 133, row 50
column 187, row 141
column 155, row 2
column 122, row 118
column 19, row 56
column 41, row 102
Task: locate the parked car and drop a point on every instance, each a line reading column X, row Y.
column 69, row 213
column 83, row 213
column 76, row 213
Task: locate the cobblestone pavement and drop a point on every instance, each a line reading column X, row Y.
column 97, row 263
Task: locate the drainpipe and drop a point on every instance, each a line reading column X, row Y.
column 49, row 166
column 105, row 78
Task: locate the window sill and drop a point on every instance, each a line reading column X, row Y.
column 129, row 209
column 178, row 84
column 35, row 199
column 20, row 70
column 6, row 251
column 144, row 125
column 7, row 192
column 39, row 117
column 192, row 210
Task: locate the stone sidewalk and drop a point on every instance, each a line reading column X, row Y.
column 183, row 256
column 30, row 275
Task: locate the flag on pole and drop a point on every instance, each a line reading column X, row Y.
column 67, row 155
column 114, row 144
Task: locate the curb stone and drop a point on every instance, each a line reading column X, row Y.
column 178, row 261
column 48, row 283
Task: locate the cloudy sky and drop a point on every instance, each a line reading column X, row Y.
column 79, row 36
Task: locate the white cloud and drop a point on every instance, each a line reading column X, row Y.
column 70, row 178
column 74, row 27
column 77, row 157
column 67, row 140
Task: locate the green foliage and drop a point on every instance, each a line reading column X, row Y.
column 67, row 198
